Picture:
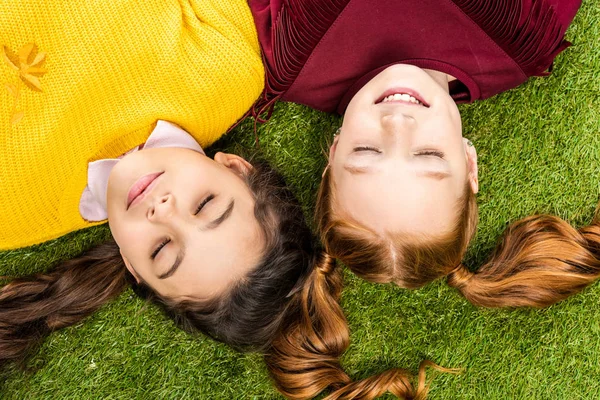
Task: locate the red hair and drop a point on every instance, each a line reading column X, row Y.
column 539, row 261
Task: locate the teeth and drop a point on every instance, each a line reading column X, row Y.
column 401, row 97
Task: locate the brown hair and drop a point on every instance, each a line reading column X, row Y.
column 31, row 308
column 539, row 260
column 246, row 316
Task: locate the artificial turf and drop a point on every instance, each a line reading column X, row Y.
column 539, row 151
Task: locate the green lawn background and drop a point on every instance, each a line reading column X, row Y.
column 539, row 151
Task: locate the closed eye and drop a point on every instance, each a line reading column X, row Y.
column 159, row 248
column 203, row 203
column 434, row 153
column 366, row 148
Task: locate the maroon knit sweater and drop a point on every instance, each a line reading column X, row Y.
column 321, row 52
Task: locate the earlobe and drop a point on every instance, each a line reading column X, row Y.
column 234, row 162
column 472, row 168
column 130, row 268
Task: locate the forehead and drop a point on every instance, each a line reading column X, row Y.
column 398, row 201
column 215, row 264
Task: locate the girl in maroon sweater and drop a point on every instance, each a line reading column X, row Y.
column 397, row 200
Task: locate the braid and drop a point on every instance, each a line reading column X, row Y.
column 33, row 307
column 539, row 261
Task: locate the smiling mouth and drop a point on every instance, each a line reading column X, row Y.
column 142, row 186
column 404, row 96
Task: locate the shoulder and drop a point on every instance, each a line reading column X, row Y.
column 531, row 32
column 289, row 31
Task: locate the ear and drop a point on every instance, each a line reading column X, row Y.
column 472, row 169
column 130, row 268
column 332, row 149
column 234, row 162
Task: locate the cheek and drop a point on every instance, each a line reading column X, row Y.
column 131, row 236
column 454, row 118
column 353, row 119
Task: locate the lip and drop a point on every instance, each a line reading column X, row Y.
column 408, row 91
column 141, row 187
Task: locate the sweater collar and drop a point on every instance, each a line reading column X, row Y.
column 92, row 205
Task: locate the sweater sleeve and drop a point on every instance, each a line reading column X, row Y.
column 288, row 31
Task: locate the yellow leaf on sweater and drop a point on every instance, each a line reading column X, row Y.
column 37, row 71
column 32, row 82
column 12, row 89
column 11, row 58
column 39, row 59
column 17, row 117
column 27, row 51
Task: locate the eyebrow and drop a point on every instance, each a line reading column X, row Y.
column 211, row 225
column 439, row 175
column 175, row 265
column 354, row 169
column 222, row 218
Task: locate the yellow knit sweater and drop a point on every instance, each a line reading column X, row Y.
column 82, row 80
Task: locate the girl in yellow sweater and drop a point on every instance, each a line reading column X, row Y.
column 222, row 244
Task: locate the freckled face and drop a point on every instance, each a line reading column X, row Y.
column 184, row 222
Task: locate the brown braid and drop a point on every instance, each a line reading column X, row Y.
column 31, row 308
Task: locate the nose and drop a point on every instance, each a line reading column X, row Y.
column 397, row 122
column 162, row 209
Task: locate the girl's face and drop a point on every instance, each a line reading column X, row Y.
column 400, row 163
column 184, row 223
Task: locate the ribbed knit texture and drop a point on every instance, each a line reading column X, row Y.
column 111, row 69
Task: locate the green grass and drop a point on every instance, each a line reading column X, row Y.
column 539, row 151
